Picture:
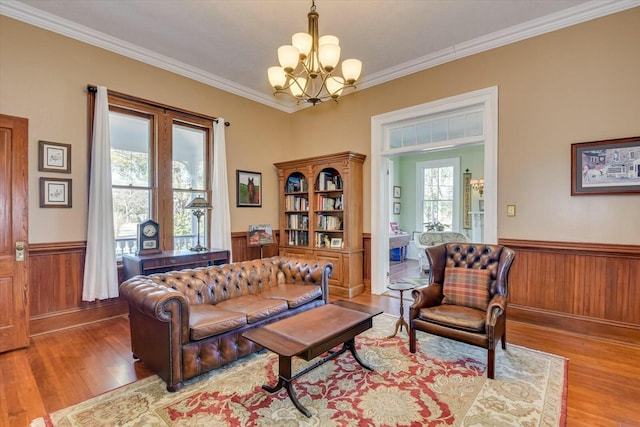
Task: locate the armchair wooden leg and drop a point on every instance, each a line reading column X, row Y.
column 412, row 340
column 504, row 340
column 491, row 363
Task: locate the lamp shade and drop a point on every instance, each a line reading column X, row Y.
column 328, row 39
column 277, row 77
column 329, row 55
column 298, row 86
column 302, row 42
column 199, row 203
column 351, row 69
column 288, row 57
column 335, row 85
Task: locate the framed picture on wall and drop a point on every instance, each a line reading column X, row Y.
column 606, row 167
column 248, row 189
column 55, row 193
column 397, row 190
column 396, row 208
column 54, row 157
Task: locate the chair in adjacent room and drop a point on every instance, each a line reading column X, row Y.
column 466, row 298
column 424, row 239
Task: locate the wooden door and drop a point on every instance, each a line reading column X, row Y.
column 14, row 309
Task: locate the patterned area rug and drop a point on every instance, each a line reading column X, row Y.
column 441, row 384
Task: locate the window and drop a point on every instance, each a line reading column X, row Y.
column 438, row 191
column 160, row 161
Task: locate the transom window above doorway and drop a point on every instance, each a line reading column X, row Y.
column 466, row 122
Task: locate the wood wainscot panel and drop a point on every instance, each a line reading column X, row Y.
column 585, row 288
column 56, row 273
column 241, row 251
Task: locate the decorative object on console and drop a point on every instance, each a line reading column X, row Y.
column 54, row 157
column 606, row 167
column 199, row 206
column 307, row 67
column 249, row 189
column 478, row 185
column 148, row 238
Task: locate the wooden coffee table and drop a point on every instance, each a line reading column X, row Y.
column 311, row 333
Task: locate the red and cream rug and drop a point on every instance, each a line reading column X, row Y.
column 442, row 384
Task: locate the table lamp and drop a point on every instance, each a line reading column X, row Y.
column 199, row 206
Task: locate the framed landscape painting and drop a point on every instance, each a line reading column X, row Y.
column 606, row 167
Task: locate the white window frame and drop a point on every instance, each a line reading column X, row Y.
column 431, row 164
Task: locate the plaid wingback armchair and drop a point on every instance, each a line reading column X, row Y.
column 466, row 299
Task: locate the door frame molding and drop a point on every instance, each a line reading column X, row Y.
column 488, row 98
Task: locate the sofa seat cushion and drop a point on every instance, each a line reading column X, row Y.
column 294, row 295
column 255, row 307
column 466, row 318
column 206, row 320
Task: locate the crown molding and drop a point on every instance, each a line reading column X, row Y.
column 565, row 18
column 568, row 17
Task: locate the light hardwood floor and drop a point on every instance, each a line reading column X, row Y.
column 67, row 367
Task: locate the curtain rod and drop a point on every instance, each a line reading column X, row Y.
column 94, row 89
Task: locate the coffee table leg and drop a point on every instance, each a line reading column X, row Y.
column 284, row 379
column 351, row 346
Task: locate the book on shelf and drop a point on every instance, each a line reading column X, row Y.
column 296, row 184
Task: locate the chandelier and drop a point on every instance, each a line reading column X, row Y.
column 307, row 66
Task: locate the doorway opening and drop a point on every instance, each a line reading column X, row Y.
column 431, row 119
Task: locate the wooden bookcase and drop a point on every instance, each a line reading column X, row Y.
column 321, row 215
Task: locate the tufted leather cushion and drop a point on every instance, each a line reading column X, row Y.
column 466, row 286
column 294, row 295
column 477, row 256
column 206, row 320
column 254, row 307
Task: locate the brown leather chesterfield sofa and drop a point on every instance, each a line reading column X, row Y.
column 185, row 323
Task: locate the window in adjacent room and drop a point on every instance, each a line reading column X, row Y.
column 438, row 192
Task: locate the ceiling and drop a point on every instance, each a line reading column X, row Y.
column 230, row 44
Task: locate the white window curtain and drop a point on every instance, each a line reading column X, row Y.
column 100, row 270
column 220, row 216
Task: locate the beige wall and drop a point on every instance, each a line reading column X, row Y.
column 574, row 85
column 43, row 77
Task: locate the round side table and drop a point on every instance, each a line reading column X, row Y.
column 401, row 287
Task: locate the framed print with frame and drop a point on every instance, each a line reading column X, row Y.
column 336, row 243
column 248, row 189
column 606, row 167
column 55, row 193
column 396, row 208
column 397, row 190
column 54, row 157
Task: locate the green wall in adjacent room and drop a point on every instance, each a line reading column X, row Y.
column 471, row 157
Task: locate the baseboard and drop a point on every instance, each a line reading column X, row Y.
column 594, row 328
column 56, row 321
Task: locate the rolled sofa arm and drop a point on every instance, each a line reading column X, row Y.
column 306, row 272
column 157, row 301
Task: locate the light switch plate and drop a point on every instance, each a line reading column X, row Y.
column 511, row 210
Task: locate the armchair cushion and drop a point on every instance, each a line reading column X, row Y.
column 460, row 317
column 467, row 287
